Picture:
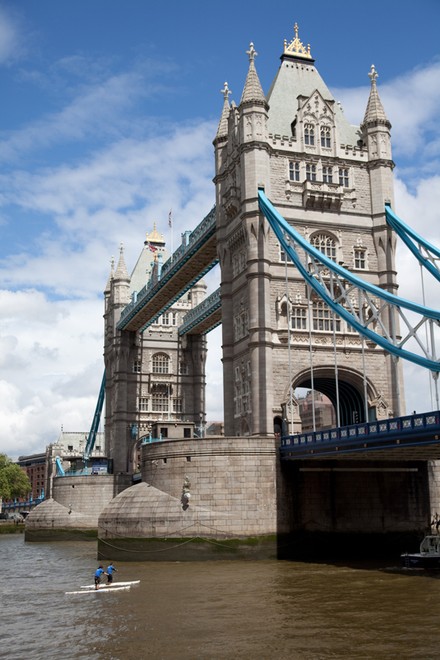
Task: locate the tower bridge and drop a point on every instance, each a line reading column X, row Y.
column 307, row 298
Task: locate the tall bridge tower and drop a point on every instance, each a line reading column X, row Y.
column 152, row 374
column 331, row 181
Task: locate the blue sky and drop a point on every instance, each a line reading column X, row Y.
column 108, row 113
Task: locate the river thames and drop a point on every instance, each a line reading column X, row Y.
column 209, row 610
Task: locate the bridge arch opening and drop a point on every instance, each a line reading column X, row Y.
column 349, row 390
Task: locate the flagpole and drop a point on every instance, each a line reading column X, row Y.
column 170, row 225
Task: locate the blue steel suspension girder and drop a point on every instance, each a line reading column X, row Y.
column 415, row 242
column 341, row 276
column 96, row 419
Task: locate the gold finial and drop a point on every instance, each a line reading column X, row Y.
column 251, row 52
column 225, row 91
column 373, row 75
column 155, row 237
column 296, row 47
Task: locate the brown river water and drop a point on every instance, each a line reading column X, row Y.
column 250, row 610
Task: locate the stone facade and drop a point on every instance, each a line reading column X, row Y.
column 331, row 181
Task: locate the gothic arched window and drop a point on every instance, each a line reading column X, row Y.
column 325, row 244
column 161, row 363
column 325, row 137
column 309, row 135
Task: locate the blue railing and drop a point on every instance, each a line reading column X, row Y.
column 18, row 505
column 418, row 425
column 149, row 440
column 86, row 471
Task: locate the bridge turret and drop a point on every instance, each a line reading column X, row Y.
column 121, row 282
column 376, row 133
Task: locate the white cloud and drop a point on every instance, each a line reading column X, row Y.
column 52, row 371
column 11, row 43
column 411, row 103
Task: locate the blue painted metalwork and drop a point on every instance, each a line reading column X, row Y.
column 335, row 285
column 202, row 312
column 24, row 505
column 60, row 469
column 96, row 419
column 193, row 243
column 408, row 431
column 408, row 236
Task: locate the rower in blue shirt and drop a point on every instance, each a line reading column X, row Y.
column 110, row 570
column 99, row 571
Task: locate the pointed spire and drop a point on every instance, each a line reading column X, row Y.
column 252, row 88
column 223, row 124
column 111, row 276
column 374, row 111
column 121, row 270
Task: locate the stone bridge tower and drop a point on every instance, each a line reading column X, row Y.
column 152, row 375
column 331, row 181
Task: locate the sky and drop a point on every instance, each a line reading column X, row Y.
column 108, row 112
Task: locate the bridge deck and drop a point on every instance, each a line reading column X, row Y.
column 409, row 438
column 188, row 265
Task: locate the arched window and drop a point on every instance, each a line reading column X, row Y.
column 161, row 363
column 325, row 244
column 325, row 137
column 309, row 135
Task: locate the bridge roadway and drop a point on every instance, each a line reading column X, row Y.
column 410, row 438
column 188, row 264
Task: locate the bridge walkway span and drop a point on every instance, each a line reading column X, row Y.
column 409, row 438
column 189, row 263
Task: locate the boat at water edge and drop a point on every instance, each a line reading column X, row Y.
column 428, row 557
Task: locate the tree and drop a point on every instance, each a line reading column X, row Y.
column 14, row 481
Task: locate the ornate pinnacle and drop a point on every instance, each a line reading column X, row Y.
column 373, row 75
column 251, row 52
column 225, row 91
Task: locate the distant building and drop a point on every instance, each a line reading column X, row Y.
column 215, row 428
column 36, row 469
column 70, row 448
column 325, row 417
